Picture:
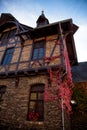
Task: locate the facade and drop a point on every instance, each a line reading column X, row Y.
column 33, row 65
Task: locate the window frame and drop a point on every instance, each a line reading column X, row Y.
column 38, row 45
column 37, row 102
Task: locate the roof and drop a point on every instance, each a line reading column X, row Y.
column 7, row 20
column 53, row 28
column 5, row 17
column 79, row 72
column 48, row 29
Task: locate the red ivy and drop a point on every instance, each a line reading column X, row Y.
column 33, row 116
column 65, row 86
column 65, row 92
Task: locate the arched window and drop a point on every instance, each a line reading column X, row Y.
column 36, row 103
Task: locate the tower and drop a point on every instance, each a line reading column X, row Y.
column 42, row 20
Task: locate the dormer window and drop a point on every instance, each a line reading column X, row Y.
column 6, row 36
column 38, row 50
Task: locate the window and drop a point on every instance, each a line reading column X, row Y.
column 38, row 50
column 36, row 104
column 7, row 35
column 2, row 91
column 7, row 56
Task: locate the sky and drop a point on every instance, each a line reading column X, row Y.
column 28, row 11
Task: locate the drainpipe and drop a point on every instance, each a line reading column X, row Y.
column 63, row 126
column 62, row 100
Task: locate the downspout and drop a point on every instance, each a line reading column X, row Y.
column 63, row 126
column 62, row 100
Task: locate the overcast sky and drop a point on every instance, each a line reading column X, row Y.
column 27, row 12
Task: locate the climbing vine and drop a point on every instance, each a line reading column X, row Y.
column 80, row 95
column 63, row 81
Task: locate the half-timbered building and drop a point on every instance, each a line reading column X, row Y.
column 34, row 62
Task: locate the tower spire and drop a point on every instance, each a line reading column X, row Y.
column 42, row 20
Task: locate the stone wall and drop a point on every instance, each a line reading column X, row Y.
column 14, row 107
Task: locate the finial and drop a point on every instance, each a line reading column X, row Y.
column 42, row 12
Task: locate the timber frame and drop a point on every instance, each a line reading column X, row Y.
column 68, row 29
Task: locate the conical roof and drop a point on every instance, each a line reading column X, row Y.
column 42, row 20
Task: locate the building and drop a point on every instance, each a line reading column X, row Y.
column 33, row 65
column 79, row 116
